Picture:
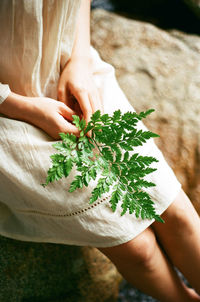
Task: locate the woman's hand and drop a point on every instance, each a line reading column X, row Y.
column 50, row 115
column 76, row 88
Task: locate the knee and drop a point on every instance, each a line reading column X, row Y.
column 180, row 216
column 136, row 253
column 143, row 252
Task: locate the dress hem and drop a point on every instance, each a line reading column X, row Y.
column 94, row 244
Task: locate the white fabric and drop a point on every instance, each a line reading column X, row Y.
column 4, row 92
column 28, row 211
column 36, row 41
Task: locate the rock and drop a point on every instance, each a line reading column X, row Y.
column 44, row 272
column 195, row 5
column 160, row 70
column 181, row 12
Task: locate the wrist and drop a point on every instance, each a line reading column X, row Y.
column 17, row 106
column 81, row 59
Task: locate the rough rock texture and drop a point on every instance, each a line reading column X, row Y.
column 160, row 70
column 195, row 5
column 43, row 272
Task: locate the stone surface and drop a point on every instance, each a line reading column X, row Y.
column 44, row 272
column 160, row 70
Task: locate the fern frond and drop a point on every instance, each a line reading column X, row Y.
column 110, row 153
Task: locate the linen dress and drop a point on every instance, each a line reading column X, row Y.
column 36, row 40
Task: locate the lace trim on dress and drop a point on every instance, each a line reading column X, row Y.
column 75, row 213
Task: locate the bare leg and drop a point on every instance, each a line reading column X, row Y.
column 180, row 238
column 143, row 264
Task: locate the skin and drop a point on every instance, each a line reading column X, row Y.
column 147, row 260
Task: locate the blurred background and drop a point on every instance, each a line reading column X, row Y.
column 166, row 14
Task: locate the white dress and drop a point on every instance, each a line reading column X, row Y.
column 36, row 39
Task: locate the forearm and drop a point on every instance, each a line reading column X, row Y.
column 45, row 113
column 16, row 106
column 81, row 47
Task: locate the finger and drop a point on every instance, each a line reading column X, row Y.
column 101, row 103
column 67, row 127
column 67, row 112
column 83, row 100
column 95, row 102
column 71, row 100
column 64, row 95
column 61, row 91
column 78, row 109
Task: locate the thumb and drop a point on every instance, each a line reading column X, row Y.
column 68, row 127
column 66, row 112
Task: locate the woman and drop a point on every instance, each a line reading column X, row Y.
column 48, row 72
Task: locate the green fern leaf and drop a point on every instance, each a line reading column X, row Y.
column 109, row 153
